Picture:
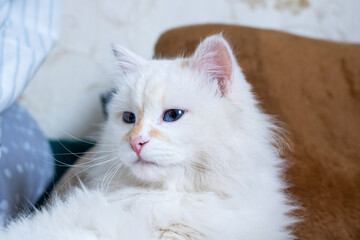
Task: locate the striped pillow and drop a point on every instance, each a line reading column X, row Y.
column 28, row 31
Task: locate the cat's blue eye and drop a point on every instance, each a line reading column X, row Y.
column 173, row 115
column 129, row 117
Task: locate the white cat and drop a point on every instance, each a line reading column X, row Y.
column 186, row 153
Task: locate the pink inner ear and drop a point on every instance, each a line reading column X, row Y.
column 213, row 58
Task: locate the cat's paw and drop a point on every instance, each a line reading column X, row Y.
column 180, row 232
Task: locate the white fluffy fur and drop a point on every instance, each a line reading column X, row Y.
column 217, row 172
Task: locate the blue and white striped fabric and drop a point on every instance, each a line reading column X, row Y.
column 28, row 31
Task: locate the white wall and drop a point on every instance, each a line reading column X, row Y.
column 63, row 97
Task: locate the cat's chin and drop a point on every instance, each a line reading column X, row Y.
column 150, row 171
column 146, row 163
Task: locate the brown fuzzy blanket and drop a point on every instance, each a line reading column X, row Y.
column 312, row 86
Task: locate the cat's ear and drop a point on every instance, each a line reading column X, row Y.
column 214, row 58
column 127, row 61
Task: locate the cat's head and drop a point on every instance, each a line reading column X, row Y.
column 171, row 119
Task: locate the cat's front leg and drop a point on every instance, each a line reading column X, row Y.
column 179, row 231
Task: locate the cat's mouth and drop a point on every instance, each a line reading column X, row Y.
column 143, row 162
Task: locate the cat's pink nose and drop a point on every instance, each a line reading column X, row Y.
column 137, row 144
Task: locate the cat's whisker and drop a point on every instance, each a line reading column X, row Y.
column 84, row 141
column 77, row 165
column 106, row 175
column 113, row 175
column 82, row 153
column 57, row 163
column 78, row 139
column 85, row 169
column 103, row 162
column 91, row 160
column 119, row 167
